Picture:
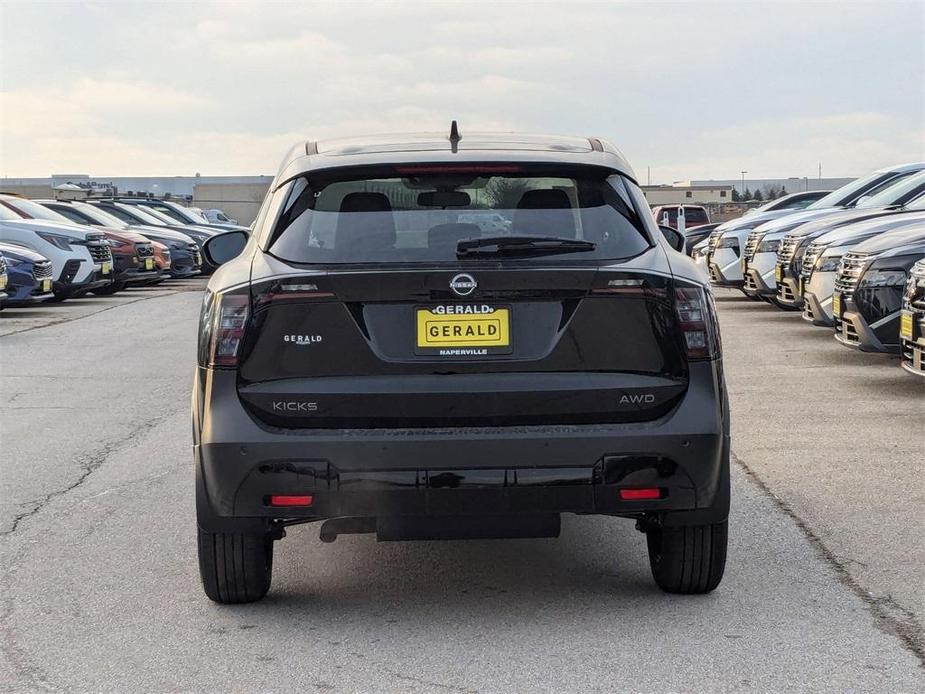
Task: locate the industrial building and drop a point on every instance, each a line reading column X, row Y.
column 240, row 196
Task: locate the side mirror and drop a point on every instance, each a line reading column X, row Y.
column 675, row 239
column 224, row 247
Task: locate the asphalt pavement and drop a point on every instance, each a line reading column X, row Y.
column 99, row 588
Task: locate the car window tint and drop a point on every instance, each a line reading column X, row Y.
column 411, row 216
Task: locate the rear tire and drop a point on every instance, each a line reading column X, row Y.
column 235, row 567
column 688, row 559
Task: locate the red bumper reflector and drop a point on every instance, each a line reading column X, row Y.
column 287, row 500
column 640, row 494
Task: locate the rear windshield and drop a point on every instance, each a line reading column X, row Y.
column 420, row 213
column 692, row 216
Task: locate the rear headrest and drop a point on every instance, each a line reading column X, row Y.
column 446, row 235
column 544, row 199
column 367, row 219
column 365, row 202
column 544, row 212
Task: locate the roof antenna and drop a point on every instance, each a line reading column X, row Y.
column 454, row 136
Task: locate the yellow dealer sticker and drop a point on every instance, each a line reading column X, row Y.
column 905, row 325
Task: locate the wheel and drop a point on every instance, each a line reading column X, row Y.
column 109, row 289
column 689, row 558
column 235, row 567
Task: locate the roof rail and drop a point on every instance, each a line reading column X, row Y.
column 311, row 147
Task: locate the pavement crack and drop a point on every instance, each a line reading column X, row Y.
column 429, row 683
column 889, row 616
column 88, row 464
column 35, row 677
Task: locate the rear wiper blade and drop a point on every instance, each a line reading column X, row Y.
column 520, row 245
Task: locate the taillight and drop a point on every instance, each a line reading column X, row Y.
column 224, row 321
column 697, row 318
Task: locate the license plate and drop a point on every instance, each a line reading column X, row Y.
column 149, row 263
column 198, row 259
column 779, row 274
column 905, row 325
column 46, row 286
column 2, row 282
column 801, row 287
column 463, row 330
column 744, row 264
column 105, row 268
column 836, row 305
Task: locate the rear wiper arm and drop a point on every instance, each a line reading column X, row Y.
column 520, row 245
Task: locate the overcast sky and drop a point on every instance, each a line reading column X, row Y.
column 692, row 90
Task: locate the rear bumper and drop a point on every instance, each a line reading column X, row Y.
column 460, row 471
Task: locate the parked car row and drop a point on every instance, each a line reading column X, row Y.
column 54, row 250
column 697, row 220
column 847, row 262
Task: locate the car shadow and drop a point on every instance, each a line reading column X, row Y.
column 731, row 298
column 595, row 558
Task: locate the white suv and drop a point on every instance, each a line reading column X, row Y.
column 487, row 221
column 80, row 259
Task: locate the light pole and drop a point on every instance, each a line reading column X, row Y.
column 743, row 184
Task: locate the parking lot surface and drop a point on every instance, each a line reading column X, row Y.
column 100, row 588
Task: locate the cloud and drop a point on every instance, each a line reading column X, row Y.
column 693, row 89
column 848, row 144
column 92, row 103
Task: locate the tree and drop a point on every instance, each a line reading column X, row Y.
column 735, row 195
column 769, row 191
column 758, row 196
column 505, row 193
column 748, row 194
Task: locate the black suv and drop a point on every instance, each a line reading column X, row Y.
column 369, row 360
